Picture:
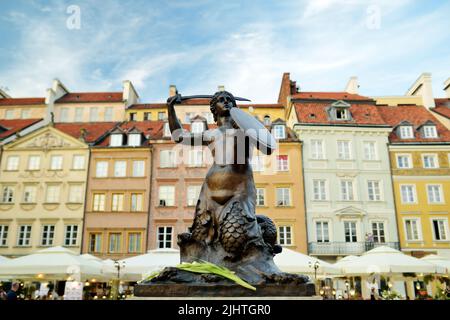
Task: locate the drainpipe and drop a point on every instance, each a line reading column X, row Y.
column 304, row 196
column 147, row 233
column 393, row 196
column 85, row 197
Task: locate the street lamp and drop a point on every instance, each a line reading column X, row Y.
column 316, row 266
column 347, row 286
column 119, row 265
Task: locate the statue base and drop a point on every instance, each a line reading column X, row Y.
column 173, row 282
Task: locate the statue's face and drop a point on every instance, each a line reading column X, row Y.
column 224, row 104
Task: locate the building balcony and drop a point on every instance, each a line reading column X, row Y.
column 346, row 248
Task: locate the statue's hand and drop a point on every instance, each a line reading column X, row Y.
column 171, row 101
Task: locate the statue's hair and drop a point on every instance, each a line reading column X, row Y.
column 215, row 98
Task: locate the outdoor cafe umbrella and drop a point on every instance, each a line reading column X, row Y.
column 438, row 261
column 55, row 263
column 3, row 259
column 386, row 260
column 292, row 261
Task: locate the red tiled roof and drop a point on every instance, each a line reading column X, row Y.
column 21, row 101
column 94, row 130
column 316, row 113
column 261, row 105
column 141, row 106
column 151, row 129
column 416, row 115
column 329, row 96
column 442, row 107
column 74, row 97
column 10, row 127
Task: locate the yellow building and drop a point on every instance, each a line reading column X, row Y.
column 420, row 160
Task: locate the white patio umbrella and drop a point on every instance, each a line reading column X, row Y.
column 438, row 261
column 138, row 267
column 385, row 260
column 55, row 263
column 344, row 261
column 292, row 261
column 3, row 259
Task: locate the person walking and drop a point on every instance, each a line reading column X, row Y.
column 12, row 294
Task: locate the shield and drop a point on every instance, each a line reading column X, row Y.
column 253, row 128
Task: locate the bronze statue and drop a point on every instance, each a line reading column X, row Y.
column 226, row 230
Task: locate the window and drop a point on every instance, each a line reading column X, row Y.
column 193, row 192
column 25, row 114
column 197, row 127
column 95, row 242
column 98, row 202
column 114, row 242
column 48, row 233
column 406, row 132
column 109, row 114
column 136, row 202
column 134, row 242
column 319, row 190
column 164, row 237
column 434, row 193
column 283, row 196
column 34, row 163
column 279, row 131
column 260, row 196
column 429, row 132
column 430, row 161
column 64, row 117
column 3, row 235
column 12, row 163
column 52, row 195
column 322, row 231
column 120, row 168
column 134, row 139
column 317, row 151
column 161, row 115
column 138, row 168
column 78, row 162
column 71, row 234
column 167, row 132
column 195, row 158
column 267, row 120
column 342, row 114
column 408, row 193
column 167, row 159
column 378, row 232
column 370, row 150
column 56, row 162
column 132, row 116
column 282, row 163
column 93, row 114
column 440, row 229
column 344, row 150
column 117, row 202
column 258, row 163
column 24, row 235
column 76, row 193
column 79, row 114
column 373, row 189
column 147, row 116
column 8, row 194
column 347, row 190
column 9, row 114
column 404, row 161
column 350, row 231
column 29, row 194
column 166, row 196
column 412, row 230
column 285, row 235
column 116, row 140
column 101, row 169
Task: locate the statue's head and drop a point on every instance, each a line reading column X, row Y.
column 221, row 103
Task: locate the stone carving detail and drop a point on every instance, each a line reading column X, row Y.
column 48, row 141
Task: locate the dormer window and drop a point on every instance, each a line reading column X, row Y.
column 134, row 139
column 267, row 120
column 279, row 131
column 342, row 114
column 429, row 131
column 116, row 140
column 406, row 132
column 339, row 111
column 197, row 127
column 166, row 132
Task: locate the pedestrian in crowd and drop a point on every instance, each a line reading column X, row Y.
column 373, row 295
column 12, row 294
column 2, row 294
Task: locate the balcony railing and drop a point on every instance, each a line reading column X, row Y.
column 346, row 248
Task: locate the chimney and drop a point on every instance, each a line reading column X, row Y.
column 423, row 87
column 129, row 95
column 221, row 88
column 172, row 90
column 352, row 85
column 447, row 88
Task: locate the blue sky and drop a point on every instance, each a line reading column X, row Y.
column 244, row 45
